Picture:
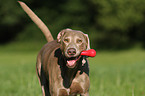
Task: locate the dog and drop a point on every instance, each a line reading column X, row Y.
column 60, row 68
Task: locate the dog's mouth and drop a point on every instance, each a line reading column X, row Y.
column 72, row 61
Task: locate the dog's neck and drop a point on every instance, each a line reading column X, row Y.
column 68, row 74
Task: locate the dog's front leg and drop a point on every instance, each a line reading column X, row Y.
column 86, row 94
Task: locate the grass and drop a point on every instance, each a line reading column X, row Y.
column 120, row 73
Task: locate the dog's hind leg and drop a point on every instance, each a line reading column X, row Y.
column 41, row 77
column 44, row 84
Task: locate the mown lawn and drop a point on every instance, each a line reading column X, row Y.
column 120, row 73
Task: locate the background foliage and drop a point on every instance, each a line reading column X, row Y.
column 111, row 24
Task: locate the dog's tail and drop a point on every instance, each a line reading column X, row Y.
column 37, row 21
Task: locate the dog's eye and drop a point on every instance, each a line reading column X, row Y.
column 79, row 41
column 66, row 40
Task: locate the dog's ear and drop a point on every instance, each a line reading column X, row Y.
column 61, row 33
column 88, row 41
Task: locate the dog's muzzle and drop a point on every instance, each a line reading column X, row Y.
column 72, row 57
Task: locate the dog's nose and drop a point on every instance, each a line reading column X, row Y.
column 71, row 51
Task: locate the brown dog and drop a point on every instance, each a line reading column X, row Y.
column 61, row 69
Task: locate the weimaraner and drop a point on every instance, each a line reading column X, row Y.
column 61, row 70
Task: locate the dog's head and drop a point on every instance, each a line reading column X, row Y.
column 72, row 43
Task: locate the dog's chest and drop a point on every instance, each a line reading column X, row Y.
column 79, row 86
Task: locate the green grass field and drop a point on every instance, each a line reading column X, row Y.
column 120, row 73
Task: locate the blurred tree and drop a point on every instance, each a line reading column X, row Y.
column 111, row 24
column 9, row 20
column 116, row 21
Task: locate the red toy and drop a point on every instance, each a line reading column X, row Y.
column 90, row 53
